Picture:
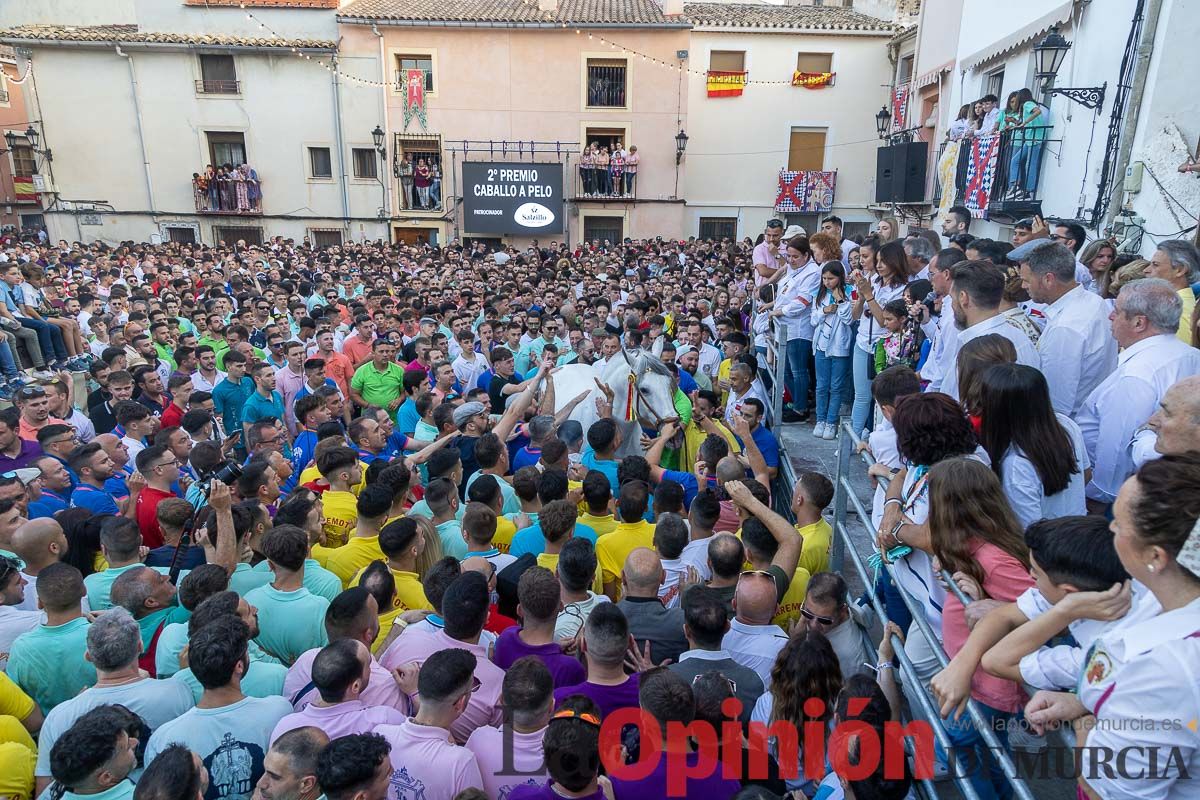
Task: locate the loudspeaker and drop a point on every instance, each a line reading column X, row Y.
column 900, row 173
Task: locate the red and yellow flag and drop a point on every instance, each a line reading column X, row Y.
column 812, row 80
column 726, row 84
column 24, row 189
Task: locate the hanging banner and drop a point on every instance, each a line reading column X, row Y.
column 726, row 84
column 981, row 170
column 24, row 190
column 414, row 96
column 812, row 80
column 899, row 107
column 805, row 191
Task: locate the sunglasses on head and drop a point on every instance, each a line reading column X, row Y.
column 30, row 392
column 759, row 572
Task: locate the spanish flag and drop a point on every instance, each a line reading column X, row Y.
column 726, row 84
column 811, row 80
column 23, row 189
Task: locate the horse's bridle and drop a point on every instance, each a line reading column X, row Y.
column 656, row 420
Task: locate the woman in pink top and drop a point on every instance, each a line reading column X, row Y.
column 974, row 534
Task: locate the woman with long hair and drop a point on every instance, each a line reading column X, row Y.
column 890, row 266
column 1145, row 669
column 975, row 536
column 888, row 230
column 806, row 668
column 82, row 529
column 1098, row 257
column 958, row 128
column 1038, row 454
column 973, row 359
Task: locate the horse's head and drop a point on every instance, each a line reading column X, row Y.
column 654, row 387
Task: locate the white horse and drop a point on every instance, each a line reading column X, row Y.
column 653, row 396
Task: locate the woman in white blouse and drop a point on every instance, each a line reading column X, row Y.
column 793, row 307
column 883, row 276
column 1039, row 455
column 1138, row 696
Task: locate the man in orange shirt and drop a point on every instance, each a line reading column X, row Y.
column 357, row 346
column 338, row 367
column 34, row 405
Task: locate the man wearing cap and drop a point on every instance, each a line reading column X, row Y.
column 768, row 258
column 1077, row 347
column 472, row 421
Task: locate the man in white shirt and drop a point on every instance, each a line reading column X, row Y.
column 1072, row 236
column 976, row 290
column 991, row 114
column 14, row 620
column 752, row 640
column 1076, row 346
column 1151, row 360
column 941, row 329
column 1174, row 429
column 833, row 226
column 741, row 388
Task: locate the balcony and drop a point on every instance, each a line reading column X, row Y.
column 218, row 87
column 602, row 184
column 1015, row 190
column 228, row 196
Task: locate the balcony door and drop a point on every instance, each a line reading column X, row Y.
column 226, row 148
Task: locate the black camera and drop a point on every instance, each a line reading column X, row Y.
column 227, row 473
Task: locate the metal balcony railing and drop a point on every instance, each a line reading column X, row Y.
column 219, row 87
column 1016, row 183
column 233, row 196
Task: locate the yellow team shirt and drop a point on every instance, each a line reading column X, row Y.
column 601, row 525
column 353, row 557
column 613, row 548
column 505, row 531
column 410, row 594
column 311, row 474
column 723, row 375
column 18, row 753
column 386, row 620
column 788, row 610
column 814, row 555
column 341, row 516
column 550, row 562
column 694, row 436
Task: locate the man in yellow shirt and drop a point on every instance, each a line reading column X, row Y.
column 812, row 496
column 19, row 716
column 772, row 546
column 486, row 489
column 597, row 497
column 340, row 467
column 557, row 521
column 705, row 421
column 402, row 544
column 736, row 343
column 613, row 548
column 362, row 548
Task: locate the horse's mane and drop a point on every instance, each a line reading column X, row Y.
column 644, row 359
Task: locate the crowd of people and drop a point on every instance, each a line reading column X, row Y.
column 605, row 173
column 322, row 525
column 228, row 188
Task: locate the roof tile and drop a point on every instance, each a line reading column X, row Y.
column 131, row 33
column 614, row 12
column 759, row 15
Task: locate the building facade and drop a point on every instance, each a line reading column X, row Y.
column 169, row 87
column 814, row 78
column 20, row 205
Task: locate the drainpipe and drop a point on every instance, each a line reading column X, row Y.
column 387, row 132
column 137, row 110
column 1133, row 111
column 341, row 149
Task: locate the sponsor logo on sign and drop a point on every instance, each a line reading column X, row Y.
column 533, row 215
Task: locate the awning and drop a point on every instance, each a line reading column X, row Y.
column 934, row 75
column 1033, row 30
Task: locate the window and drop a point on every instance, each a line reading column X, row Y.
column 718, row 228
column 425, row 148
column 602, row 228
column 227, row 148
column 366, row 163
column 413, row 61
column 906, row 69
column 22, row 159
column 995, row 82
column 727, row 61
column 182, row 235
column 326, row 238
column 231, row 235
column 810, row 222
column 606, row 82
column 852, row 230
column 320, row 164
column 814, row 62
column 217, row 75
column 807, row 149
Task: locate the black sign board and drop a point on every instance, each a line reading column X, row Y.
column 505, row 197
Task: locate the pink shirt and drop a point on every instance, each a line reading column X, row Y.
column 426, row 763
column 484, row 706
column 288, row 383
column 762, row 255
column 340, row 719
column 1005, row 579
column 498, row 769
column 381, row 689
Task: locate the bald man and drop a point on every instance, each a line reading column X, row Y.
column 752, row 640
column 649, row 620
column 150, row 597
column 39, row 543
column 1175, row 426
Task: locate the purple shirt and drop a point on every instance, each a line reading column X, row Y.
column 654, row 785
column 544, row 792
column 565, row 670
column 340, row 719
column 607, row 698
column 30, row 450
column 426, row 763
column 504, row 771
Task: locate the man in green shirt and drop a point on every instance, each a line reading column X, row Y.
column 48, row 662
column 379, row 382
column 150, row 597
column 96, row 757
column 160, row 333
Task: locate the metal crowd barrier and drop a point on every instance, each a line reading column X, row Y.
column 845, row 497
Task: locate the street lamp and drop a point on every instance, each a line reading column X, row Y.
column 377, row 135
column 1048, row 55
column 681, row 140
column 883, row 122
column 32, row 135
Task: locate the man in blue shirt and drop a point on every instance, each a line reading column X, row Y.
column 265, row 402
column 415, row 382
column 752, row 411
column 310, row 412
column 231, row 393
column 94, row 466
